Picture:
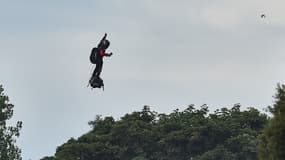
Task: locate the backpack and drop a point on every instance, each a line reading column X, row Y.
column 94, row 55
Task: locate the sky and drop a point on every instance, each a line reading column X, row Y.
column 167, row 54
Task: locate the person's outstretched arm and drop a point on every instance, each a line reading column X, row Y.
column 102, row 53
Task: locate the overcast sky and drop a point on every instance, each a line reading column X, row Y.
column 167, row 54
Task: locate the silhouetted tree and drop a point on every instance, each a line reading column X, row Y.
column 192, row 134
column 8, row 134
column 272, row 144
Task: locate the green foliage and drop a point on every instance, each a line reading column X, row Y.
column 218, row 153
column 48, row 158
column 272, row 144
column 192, row 134
column 8, row 149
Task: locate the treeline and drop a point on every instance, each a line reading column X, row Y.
column 191, row 134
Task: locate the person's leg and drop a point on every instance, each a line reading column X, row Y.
column 98, row 69
column 96, row 72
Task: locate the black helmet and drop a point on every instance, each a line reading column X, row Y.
column 105, row 44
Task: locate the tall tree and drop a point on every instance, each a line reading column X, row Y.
column 8, row 134
column 272, row 144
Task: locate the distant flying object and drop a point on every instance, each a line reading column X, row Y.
column 262, row 15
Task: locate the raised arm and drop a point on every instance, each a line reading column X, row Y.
column 100, row 43
column 104, row 37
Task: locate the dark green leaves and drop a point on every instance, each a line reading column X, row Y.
column 272, row 141
column 8, row 134
column 190, row 134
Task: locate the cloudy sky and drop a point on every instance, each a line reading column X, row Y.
column 167, row 54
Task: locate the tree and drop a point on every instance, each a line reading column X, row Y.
column 8, row 134
column 191, row 134
column 48, row 158
column 272, row 144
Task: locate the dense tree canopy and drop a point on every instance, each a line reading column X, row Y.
column 8, row 149
column 191, row 134
column 272, row 140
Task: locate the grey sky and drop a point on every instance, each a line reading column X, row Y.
column 167, row 54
